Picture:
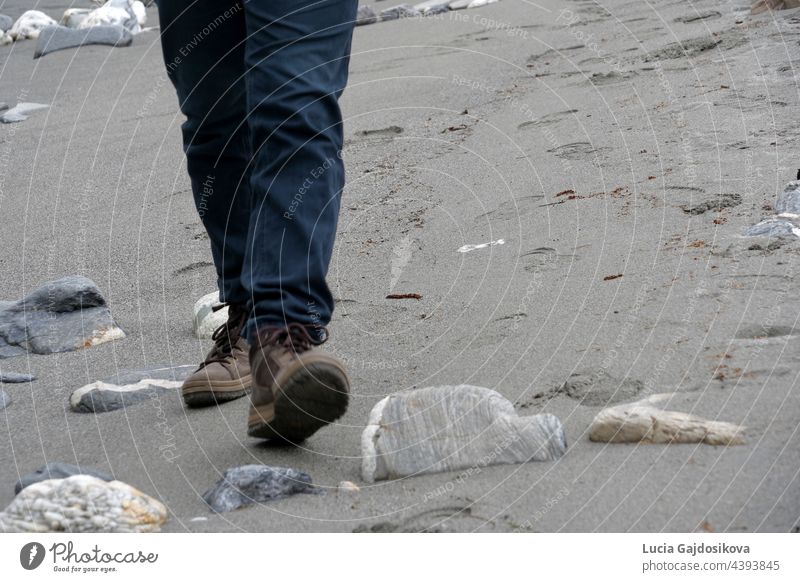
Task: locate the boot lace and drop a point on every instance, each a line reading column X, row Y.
column 226, row 335
column 294, row 336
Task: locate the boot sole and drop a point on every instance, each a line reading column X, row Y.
column 199, row 394
column 314, row 396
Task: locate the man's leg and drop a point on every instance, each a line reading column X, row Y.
column 297, row 63
column 204, row 48
column 203, row 45
column 297, row 60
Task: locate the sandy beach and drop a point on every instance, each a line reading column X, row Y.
column 618, row 149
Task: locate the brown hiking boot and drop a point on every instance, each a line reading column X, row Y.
column 297, row 388
column 225, row 373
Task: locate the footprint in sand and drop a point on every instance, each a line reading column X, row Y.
column 548, row 119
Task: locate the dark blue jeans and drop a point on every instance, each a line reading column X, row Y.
column 259, row 83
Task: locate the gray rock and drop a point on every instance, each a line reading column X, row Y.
column 789, row 200
column 366, row 15
column 6, row 22
column 250, row 484
column 56, row 38
column 449, row 428
column 15, row 378
column 399, row 11
column 128, row 387
column 3, row 106
column 61, row 316
column 82, row 503
column 58, row 470
column 773, row 228
column 20, row 112
column 5, row 400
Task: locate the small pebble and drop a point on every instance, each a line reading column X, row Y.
column 15, row 378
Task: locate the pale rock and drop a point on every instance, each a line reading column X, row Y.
column 20, row 111
column 448, row 428
column 140, row 12
column 206, row 320
column 348, row 487
column 74, row 16
column 642, row 422
column 82, row 503
column 479, row 3
column 29, row 24
column 114, row 13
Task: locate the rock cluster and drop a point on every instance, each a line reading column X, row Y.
column 116, row 20
column 367, row 15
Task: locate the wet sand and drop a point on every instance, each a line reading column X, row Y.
column 577, row 134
